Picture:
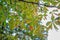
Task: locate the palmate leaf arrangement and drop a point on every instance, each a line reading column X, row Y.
column 22, row 15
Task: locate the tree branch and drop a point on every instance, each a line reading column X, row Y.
column 28, row 2
column 38, row 4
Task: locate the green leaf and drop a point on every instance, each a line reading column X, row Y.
column 57, row 21
column 55, row 27
column 49, row 27
column 48, row 23
column 52, row 17
column 58, row 18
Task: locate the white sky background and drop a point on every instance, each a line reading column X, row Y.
column 52, row 34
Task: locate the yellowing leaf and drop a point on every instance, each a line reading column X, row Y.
column 49, row 27
column 37, row 30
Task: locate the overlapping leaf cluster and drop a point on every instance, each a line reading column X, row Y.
column 24, row 15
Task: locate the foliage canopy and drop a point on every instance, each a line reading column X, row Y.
column 22, row 15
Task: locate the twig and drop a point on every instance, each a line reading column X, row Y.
column 39, row 4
